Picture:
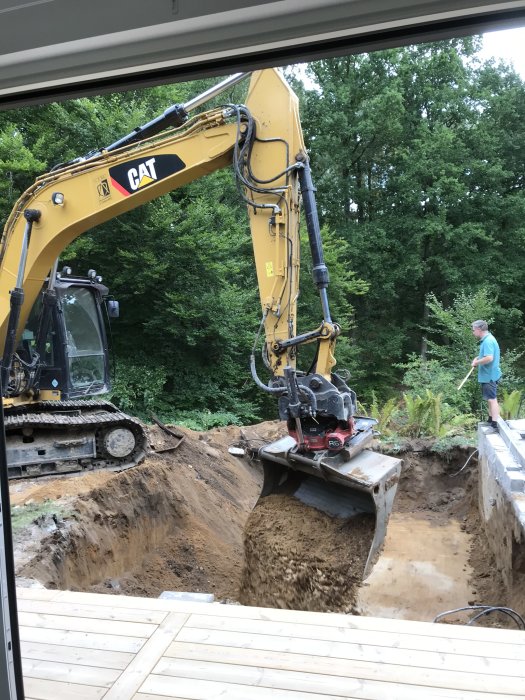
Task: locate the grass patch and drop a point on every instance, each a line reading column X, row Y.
column 24, row 516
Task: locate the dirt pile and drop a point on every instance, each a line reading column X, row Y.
column 299, row 558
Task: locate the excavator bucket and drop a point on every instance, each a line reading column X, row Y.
column 342, row 484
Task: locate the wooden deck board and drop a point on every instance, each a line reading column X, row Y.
column 142, row 665
column 90, row 646
column 90, row 640
column 68, row 672
column 99, row 612
column 271, row 614
column 424, row 682
column 351, row 653
column 52, row 690
column 72, row 623
column 77, row 655
column 395, row 640
column 341, row 685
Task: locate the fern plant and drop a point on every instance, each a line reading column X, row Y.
column 384, row 414
column 511, row 404
column 425, row 417
column 420, row 416
column 420, row 412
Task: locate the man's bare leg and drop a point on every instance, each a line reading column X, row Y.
column 493, row 409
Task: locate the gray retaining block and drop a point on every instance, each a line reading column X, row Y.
column 502, row 497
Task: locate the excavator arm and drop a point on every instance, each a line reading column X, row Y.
column 263, row 142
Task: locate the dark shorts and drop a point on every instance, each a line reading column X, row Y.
column 489, row 390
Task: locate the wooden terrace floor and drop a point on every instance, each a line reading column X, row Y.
column 84, row 646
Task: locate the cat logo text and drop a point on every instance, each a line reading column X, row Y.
column 135, row 175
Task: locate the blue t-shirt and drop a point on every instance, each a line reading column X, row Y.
column 490, row 372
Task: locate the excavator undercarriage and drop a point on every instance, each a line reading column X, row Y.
column 58, row 437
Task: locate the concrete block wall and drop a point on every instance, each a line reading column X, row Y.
column 502, row 502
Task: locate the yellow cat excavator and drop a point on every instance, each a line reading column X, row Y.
column 51, row 322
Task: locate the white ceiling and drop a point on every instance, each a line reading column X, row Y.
column 60, row 48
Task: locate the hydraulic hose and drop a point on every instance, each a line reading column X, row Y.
column 268, row 389
column 313, row 398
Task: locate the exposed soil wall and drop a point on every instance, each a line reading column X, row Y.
column 172, row 523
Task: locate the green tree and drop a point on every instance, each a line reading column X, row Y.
column 18, row 166
column 416, row 170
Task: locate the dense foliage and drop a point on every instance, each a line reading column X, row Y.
column 417, row 155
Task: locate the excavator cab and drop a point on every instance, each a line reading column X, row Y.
column 74, row 352
column 61, row 361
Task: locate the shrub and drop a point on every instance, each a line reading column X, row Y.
column 205, row 420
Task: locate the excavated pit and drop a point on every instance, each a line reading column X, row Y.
column 185, row 521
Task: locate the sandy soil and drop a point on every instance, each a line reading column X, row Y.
column 439, row 576
column 183, row 521
column 431, row 487
column 297, row 557
column 28, row 491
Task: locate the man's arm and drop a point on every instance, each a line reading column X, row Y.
column 482, row 360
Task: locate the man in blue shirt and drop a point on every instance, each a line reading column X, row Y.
column 489, row 371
